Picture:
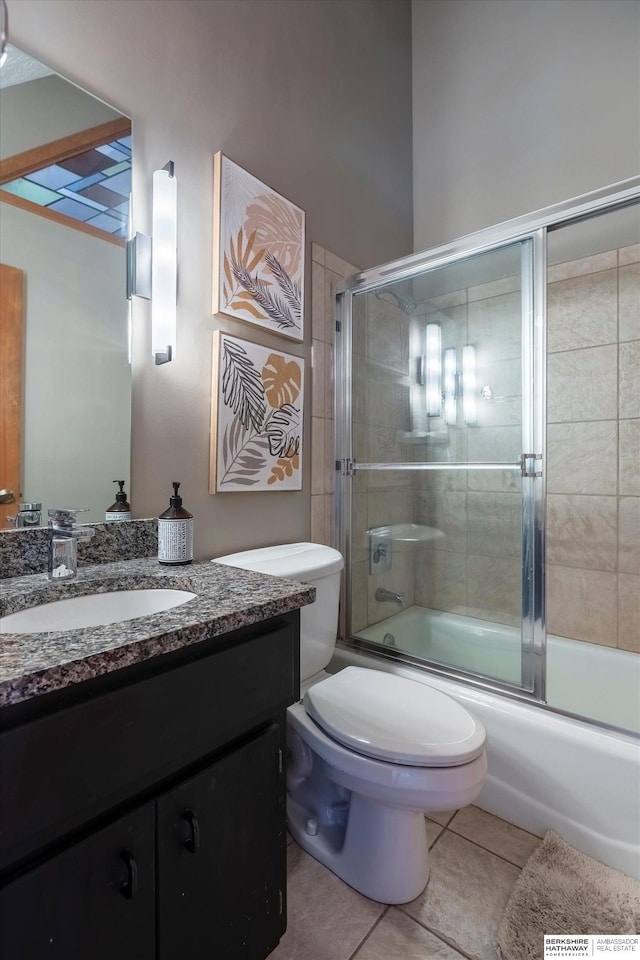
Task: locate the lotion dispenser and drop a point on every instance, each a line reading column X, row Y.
column 175, row 532
column 121, row 509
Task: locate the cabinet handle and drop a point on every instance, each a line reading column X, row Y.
column 129, row 887
column 192, row 843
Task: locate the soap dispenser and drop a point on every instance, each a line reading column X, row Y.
column 175, row 531
column 121, row 509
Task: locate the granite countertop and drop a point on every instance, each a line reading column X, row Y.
column 227, row 598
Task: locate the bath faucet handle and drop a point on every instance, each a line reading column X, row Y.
column 63, row 520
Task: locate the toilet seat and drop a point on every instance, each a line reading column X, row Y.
column 387, row 717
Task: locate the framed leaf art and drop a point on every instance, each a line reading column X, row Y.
column 256, row 417
column 258, row 252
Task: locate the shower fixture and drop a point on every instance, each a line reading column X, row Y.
column 405, row 303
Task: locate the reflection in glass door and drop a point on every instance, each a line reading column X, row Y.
column 441, row 467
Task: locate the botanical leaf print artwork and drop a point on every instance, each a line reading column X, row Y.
column 258, row 271
column 257, row 416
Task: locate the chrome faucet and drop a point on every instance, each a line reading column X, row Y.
column 63, row 546
column 388, row 596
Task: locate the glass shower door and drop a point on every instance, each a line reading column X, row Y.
column 441, row 463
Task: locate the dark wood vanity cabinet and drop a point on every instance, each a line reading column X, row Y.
column 168, row 839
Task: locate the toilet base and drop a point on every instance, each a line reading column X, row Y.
column 378, row 849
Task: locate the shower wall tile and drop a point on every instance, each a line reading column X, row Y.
column 399, row 579
column 582, row 385
column 447, row 513
column 629, row 387
column 338, row 266
column 582, row 457
column 582, row 531
column 388, row 330
column 317, row 455
column 582, row 604
column 630, row 302
column 318, row 320
column 629, row 536
column 494, row 326
column 359, row 596
column 445, row 302
column 629, row 612
column 326, row 271
column 630, row 458
column 494, row 524
column 585, row 265
column 494, row 589
column 441, row 581
column 498, row 481
column 502, row 444
column 495, row 288
column 504, row 379
column 630, row 254
column 318, row 373
column 583, row 312
column 384, row 508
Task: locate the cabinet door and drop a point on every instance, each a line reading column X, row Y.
column 222, row 857
column 93, row 901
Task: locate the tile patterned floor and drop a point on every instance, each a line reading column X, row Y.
column 475, row 861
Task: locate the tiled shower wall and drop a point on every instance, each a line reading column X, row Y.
column 593, row 531
column 326, row 271
column 593, row 480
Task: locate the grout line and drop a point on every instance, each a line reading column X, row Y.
column 438, row 936
column 368, row 933
column 487, row 850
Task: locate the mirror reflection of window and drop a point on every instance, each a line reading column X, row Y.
column 65, row 169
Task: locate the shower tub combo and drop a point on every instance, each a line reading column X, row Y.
column 443, row 393
column 546, row 769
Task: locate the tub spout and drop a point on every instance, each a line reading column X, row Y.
column 388, row 596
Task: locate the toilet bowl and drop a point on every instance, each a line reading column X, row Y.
column 369, row 752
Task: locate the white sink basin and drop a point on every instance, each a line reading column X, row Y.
column 93, row 610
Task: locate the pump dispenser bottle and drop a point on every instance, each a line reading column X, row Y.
column 175, row 532
column 121, row 509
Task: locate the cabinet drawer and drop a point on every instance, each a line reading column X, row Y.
column 62, row 770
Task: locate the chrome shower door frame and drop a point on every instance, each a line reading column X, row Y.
column 529, row 230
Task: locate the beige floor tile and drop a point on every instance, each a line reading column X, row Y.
column 440, row 816
column 327, row 919
column 433, row 831
column 398, row 937
column 498, row 836
column 465, row 898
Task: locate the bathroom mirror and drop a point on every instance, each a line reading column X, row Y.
column 65, row 376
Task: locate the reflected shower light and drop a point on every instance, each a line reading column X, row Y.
column 469, row 385
column 434, row 369
column 4, row 32
column 450, row 375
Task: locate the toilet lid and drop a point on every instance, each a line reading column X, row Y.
column 393, row 718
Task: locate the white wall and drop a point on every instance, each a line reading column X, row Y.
column 311, row 96
column 518, row 104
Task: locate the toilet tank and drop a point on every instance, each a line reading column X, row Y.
column 311, row 563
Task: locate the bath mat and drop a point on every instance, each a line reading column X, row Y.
column 562, row 891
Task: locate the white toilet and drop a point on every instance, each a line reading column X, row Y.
column 370, row 752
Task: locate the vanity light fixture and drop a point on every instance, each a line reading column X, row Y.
column 434, row 369
column 450, row 377
column 469, row 385
column 4, row 31
column 152, row 265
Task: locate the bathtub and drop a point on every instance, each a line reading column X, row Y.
column 546, row 769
